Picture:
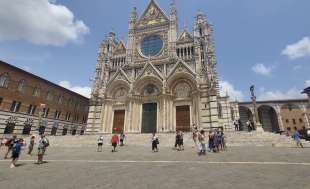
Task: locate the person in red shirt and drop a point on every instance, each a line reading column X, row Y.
column 114, row 142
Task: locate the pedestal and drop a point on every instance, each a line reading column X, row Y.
column 259, row 128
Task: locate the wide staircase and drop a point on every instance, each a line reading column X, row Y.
column 232, row 138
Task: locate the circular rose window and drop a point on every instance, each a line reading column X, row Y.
column 151, row 45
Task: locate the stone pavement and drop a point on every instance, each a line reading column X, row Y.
column 135, row 166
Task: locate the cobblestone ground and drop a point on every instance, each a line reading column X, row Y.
column 138, row 167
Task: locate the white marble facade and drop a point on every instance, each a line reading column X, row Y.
column 175, row 71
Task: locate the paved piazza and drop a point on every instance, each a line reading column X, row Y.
column 138, row 167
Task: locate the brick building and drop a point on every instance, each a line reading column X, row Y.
column 27, row 100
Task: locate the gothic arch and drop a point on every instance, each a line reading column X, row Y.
column 245, row 114
column 140, row 84
column 4, row 80
column 117, row 85
column 175, row 79
column 268, row 118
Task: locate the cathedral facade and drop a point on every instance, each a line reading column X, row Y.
column 162, row 80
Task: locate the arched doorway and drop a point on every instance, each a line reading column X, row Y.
column 27, row 129
column 268, row 118
column 245, row 115
column 9, row 128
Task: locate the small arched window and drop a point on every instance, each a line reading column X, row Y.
column 60, row 98
column 36, row 92
column 4, row 80
column 21, row 86
column 49, row 95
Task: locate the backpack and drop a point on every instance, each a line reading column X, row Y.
column 46, row 143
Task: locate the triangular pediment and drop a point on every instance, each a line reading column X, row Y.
column 150, row 70
column 152, row 15
column 119, row 75
column 181, row 67
column 120, row 47
column 185, row 37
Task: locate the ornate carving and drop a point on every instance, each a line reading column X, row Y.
column 12, row 119
column 29, row 121
column 150, row 90
column 182, row 90
column 120, row 93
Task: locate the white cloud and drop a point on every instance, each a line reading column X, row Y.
column 292, row 93
column 299, row 49
column 262, row 69
column 85, row 91
column 307, row 83
column 40, row 22
column 228, row 88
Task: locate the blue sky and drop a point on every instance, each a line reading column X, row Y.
column 261, row 42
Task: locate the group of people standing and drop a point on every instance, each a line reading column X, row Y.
column 14, row 148
column 216, row 140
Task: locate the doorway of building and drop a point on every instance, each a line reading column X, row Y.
column 118, row 122
column 149, row 118
column 9, row 129
column 183, row 118
column 26, row 129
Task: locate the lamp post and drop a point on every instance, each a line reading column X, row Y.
column 257, row 123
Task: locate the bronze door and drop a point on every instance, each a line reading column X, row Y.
column 183, row 118
column 118, row 122
column 149, row 118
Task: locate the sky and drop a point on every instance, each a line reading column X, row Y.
column 260, row 42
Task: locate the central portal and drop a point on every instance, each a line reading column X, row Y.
column 149, row 117
column 183, row 118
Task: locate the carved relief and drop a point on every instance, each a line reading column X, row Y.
column 150, row 90
column 120, row 93
column 182, row 90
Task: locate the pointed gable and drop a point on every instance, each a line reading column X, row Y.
column 120, row 48
column 185, row 37
column 181, row 67
column 150, row 70
column 152, row 15
column 119, row 75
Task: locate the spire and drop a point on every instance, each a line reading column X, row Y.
column 133, row 14
column 173, row 8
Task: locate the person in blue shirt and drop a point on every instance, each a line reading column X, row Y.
column 296, row 137
column 17, row 147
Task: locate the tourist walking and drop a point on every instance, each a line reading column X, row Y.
column 179, row 141
column 249, row 125
column 202, row 141
column 42, row 146
column 155, row 142
column 195, row 136
column 122, row 139
column 114, row 142
column 16, row 149
column 236, row 124
column 100, row 144
column 296, row 137
column 9, row 144
column 31, row 144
